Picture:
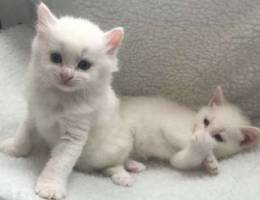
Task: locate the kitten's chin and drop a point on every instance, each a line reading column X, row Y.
column 66, row 87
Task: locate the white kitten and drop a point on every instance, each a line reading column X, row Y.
column 166, row 130
column 71, row 103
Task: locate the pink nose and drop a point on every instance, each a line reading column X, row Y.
column 66, row 75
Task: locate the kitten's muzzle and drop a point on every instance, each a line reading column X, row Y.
column 66, row 75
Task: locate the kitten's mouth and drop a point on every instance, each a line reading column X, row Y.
column 66, row 83
column 66, row 86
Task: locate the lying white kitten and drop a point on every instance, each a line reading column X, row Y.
column 166, row 130
column 71, row 103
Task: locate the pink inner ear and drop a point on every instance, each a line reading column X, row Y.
column 45, row 17
column 115, row 38
column 217, row 98
column 250, row 135
column 246, row 141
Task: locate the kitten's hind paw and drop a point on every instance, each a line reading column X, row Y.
column 123, row 179
column 10, row 147
column 119, row 176
column 134, row 166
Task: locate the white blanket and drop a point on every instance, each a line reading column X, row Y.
column 239, row 177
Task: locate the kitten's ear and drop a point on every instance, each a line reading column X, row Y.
column 218, row 97
column 114, row 39
column 250, row 135
column 45, row 18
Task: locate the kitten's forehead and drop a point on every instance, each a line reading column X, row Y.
column 78, row 34
column 229, row 116
column 224, row 116
column 71, row 50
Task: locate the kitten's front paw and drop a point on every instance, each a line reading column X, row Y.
column 9, row 147
column 50, row 190
column 123, row 179
column 201, row 142
column 211, row 165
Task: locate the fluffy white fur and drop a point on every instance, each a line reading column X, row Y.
column 77, row 113
column 74, row 110
column 168, row 131
column 18, row 175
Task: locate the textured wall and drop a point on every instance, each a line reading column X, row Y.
column 182, row 48
column 13, row 12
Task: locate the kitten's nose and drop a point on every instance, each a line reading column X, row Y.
column 66, row 74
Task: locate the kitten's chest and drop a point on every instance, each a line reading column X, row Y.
column 51, row 116
column 47, row 121
column 48, row 113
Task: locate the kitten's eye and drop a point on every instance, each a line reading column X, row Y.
column 206, row 122
column 218, row 138
column 56, row 57
column 84, row 64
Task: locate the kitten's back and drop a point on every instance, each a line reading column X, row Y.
column 157, row 105
column 156, row 123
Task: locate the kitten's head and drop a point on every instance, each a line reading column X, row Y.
column 230, row 129
column 73, row 53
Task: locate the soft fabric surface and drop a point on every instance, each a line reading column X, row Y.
column 238, row 179
column 182, row 48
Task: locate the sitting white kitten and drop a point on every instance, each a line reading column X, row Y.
column 166, row 130
column 71, row 103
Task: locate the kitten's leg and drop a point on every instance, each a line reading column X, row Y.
column 52, row 182
column 20, row 144
column 211, row 164
column 135, row 166
column 119, row 176
column 195, row 153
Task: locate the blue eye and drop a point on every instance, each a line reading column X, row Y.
column 56, row 57
column 84, row 64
